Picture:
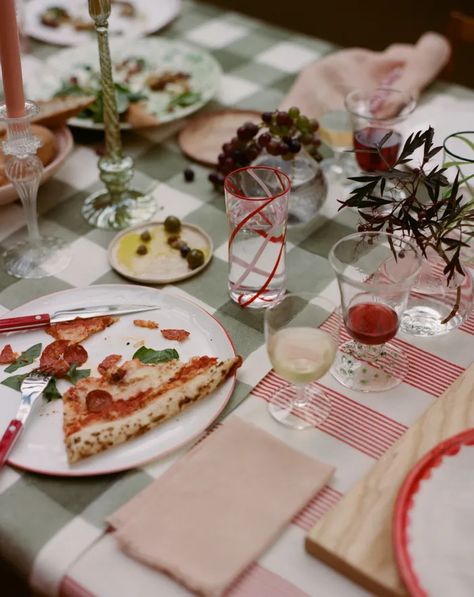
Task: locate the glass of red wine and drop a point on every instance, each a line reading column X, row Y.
column 377, row 116
column 375, row 272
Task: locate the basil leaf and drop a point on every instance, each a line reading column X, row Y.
column 26, row 358
column 74, row 374
column 187, row 98
column 51, row 391
column 150, row 356
column 14, row 381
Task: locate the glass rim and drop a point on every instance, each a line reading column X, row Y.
column 364, row 285
column 227, row 188
column 303, row 294
column 454, row 155
column 407, row 110
column 331, row 306
column 31, row 110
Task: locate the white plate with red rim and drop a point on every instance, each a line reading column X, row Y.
column 40, row 448
column 147, row 18
column 433, row 522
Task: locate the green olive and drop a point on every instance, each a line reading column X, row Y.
column 145, row 236
column 142, row 250
column 172, row 224
column 195, row 258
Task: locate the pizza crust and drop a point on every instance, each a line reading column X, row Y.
column 100, row 436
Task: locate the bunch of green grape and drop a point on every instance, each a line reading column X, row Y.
column 280, row 134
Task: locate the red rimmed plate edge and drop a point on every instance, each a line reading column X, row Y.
column 404, row 503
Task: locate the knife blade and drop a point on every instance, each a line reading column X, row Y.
column 31, row 322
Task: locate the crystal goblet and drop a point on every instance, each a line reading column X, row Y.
column 301, row 334
column 375, row 272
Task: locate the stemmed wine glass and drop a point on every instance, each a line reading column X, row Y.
column 376, row 113
column 335, row 130
column 375, row 272
column 301, row 334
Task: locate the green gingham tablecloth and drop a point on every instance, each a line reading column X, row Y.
column 52, row 530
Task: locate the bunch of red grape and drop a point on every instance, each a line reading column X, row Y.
column 280, row 134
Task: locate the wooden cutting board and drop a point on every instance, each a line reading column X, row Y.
column 355, row 537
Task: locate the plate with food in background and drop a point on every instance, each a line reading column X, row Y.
column 156, row 81
column 68, row 23
column 161, row 252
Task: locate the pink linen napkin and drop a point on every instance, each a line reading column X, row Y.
column 323, row 85
column 219, row 507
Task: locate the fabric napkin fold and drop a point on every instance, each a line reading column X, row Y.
column 219, row 507
column 323, row 85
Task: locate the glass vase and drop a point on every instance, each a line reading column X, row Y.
column 435, row 307
column 308, row 185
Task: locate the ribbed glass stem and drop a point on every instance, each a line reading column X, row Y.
column 99, row 10
column 23, row 167
column 113, row 142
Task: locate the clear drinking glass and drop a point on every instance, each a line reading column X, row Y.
column 375, row 272
column 256, row 200
column 302, row 335
column 459, row 154
column 374, row 114
column 335, row 130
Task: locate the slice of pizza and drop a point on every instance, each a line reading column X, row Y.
column 130, row 399
column 79, row 329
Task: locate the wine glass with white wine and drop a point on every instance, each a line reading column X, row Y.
column 302, row 337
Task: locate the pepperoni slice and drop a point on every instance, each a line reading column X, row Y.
column 108, row 362
column 75, row 354
column 7, row 355
column 178, row 335
column 52, row 358
column 58, row 357
column 98, row 401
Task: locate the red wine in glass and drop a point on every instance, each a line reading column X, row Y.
column 366, row 139
column 371, row 323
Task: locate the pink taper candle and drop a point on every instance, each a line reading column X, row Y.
column 10, row 59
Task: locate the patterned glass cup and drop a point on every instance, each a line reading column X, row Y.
column 375, row 272
column 256, row 200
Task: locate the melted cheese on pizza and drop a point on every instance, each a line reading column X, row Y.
column 128, row 400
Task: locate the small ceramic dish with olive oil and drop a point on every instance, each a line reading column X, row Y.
column 160, row 252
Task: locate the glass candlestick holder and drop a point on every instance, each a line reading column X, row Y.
column 37, row 256
column 117, row 206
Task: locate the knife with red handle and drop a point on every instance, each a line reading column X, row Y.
column 31, row 322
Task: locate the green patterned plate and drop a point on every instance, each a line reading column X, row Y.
column 158, row 55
